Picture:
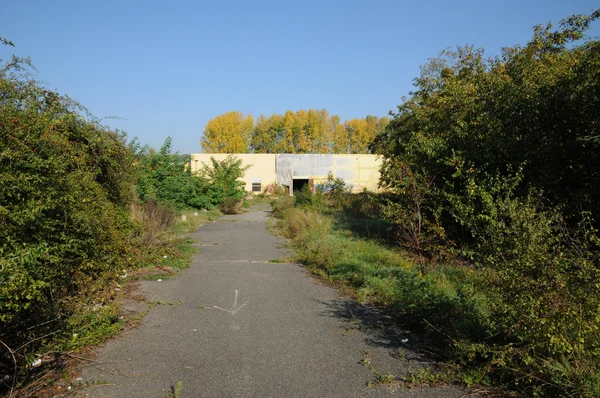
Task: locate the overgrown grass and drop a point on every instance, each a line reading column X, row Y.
column 458, row 307
column 380, row 274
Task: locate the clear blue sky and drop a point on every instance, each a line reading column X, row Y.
column 167, row 67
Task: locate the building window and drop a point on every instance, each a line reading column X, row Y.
column 256, row 187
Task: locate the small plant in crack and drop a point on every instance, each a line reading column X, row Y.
column 279, row 261
column 378, row 378
column 175, row 391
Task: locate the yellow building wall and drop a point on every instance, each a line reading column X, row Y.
column 358, row 171
column 261, row 170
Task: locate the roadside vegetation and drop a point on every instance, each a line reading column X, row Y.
column 81, row 210
column 485, row 237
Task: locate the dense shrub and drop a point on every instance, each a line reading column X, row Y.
column 306, row 198
column 496, row 160
column 224, row 178
column 65, row 198
column 476, row 128
column 545, row 310
column 64, row 215
column 167, row 178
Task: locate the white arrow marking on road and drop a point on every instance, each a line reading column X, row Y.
column 233, row 310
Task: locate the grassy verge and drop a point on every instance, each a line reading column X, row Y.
column 523, row 325
column 446, row 304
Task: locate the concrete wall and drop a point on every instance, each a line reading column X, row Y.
column 359, row 171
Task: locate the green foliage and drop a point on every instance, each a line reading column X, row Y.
column 175, row 391
column 497, row 160
column 546, row 289
column 411, row 204
column 308, row 199
column 64, row 212
column 92, row 325
column 166, row 177
column 528, row 112
column 224, row 178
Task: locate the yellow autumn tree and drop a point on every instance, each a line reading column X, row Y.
column 319, row 130
column 357, row 131
column 340, row 136
column 228, row 133
column 360, row 133
column 302, row 131
column 286, row 144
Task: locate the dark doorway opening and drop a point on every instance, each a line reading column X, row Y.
column 299, row 183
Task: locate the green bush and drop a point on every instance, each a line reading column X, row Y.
column 413, row 205
column 308, row 199
column 546, row 289
column 224, row 178
column 65, row 227
column 496, row 160
column 63, row 212
column 167, row 178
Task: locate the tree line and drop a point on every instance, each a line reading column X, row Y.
column 303, row 131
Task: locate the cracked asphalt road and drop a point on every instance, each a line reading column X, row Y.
column 240, row 326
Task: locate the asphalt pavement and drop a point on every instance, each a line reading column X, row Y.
column 236, row 324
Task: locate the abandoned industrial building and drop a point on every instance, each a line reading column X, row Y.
column 293, row 171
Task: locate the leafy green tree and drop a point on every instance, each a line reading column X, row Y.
column 530, row 111
column 224, row 176
column 267, row 135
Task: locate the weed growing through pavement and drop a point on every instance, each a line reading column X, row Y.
column 280, row 261
column 379, row 379
column 175, row 391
